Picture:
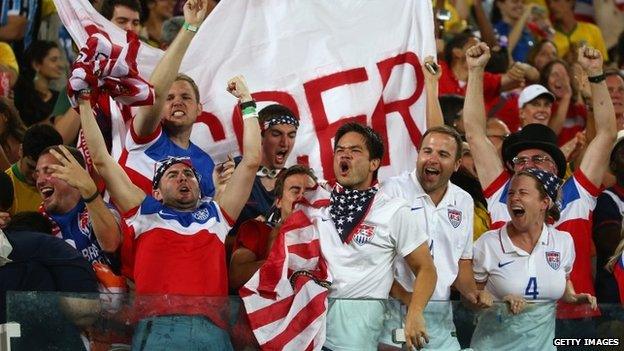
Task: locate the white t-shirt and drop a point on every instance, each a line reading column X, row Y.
column 449, row 225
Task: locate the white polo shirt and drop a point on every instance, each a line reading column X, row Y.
column 449, row 225
column 537, row 276
column 363, row 267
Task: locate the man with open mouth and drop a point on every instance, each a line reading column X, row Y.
column 361, row 233
column 535, row 147
column 447, row 212
column 279, row 130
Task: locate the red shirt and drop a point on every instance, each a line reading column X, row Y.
column 573, row 123
column 449, row 84
column 254, row 236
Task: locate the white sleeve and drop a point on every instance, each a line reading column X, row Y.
column 407, row 231
column 480, row 261
column 468, row 251
column 569, row 254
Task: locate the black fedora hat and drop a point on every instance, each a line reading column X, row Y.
column 534, row 136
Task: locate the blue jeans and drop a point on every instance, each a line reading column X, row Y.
column 179, row 333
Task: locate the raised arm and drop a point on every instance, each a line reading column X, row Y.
column 238, row 189
column 487, row 161
column 105, row 224
column 148, row 117
column 434, row 111
column 596, row 158
column 125, row 194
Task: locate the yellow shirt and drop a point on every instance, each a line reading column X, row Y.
column 7, row 57
column 481, row 221
column 26, row 197
column 455, row 24
column 583, row 33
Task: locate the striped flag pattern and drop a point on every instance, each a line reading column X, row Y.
column 286, row 300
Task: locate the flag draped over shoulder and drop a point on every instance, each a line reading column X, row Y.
column 286, row 300
column 328, row 61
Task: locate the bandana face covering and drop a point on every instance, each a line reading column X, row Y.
column 348, row 209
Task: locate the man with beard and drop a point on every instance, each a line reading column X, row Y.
column 447, row 212
column 179, row 236
column 361, row 232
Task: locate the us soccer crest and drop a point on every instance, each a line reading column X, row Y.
column 554, row 259
column 364, row 234
column 455, row 217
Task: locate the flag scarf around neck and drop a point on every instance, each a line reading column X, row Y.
column 326, row 61
column 348, row 209
column 287, row 309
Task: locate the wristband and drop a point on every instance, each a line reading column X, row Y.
column 249, row 112
column 246, row 104
column 190, row 27
column 92, row 197
column 597, row 79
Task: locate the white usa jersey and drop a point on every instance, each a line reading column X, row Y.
column 539, row 275
column 363, row 267
column 449, row 226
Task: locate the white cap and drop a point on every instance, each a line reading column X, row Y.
column 531, row 92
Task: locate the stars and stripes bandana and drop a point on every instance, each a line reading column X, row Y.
column 163, row 165
column 349, row 207
column 276, row 120
column 549, row 181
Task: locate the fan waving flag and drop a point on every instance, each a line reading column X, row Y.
column 286, row 300
column 328, row 61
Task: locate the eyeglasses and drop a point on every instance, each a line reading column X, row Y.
column 537, row 160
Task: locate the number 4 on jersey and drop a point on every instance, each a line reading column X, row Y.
column 531, row 289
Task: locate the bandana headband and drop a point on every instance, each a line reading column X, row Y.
column 280, row 119
column 549, row 181
column 160, row 167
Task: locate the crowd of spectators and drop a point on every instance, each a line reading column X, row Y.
column 523, row 158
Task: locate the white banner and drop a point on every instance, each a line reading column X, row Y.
column 328, row 61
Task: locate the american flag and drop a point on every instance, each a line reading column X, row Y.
column 286, row 300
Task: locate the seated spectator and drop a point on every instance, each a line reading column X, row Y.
column 11, row 134
column 615, row 84
column 123, row 13
column 36, row 139
column 254, row 238
column 34, row 99
column 607, row 225
column 569, row 32
column 569, row 111
column 72, row 201
column 452, row 106
column 525, row 260
column 542, row 53
column 155, row 13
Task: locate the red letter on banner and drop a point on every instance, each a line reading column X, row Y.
column 325, row 131
column 278, row 97
column 213, row 123
column 401, row 106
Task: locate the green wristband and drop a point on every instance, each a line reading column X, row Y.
column 190, row 27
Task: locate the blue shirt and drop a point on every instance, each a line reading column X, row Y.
column 525, row 43
column 29, row 8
